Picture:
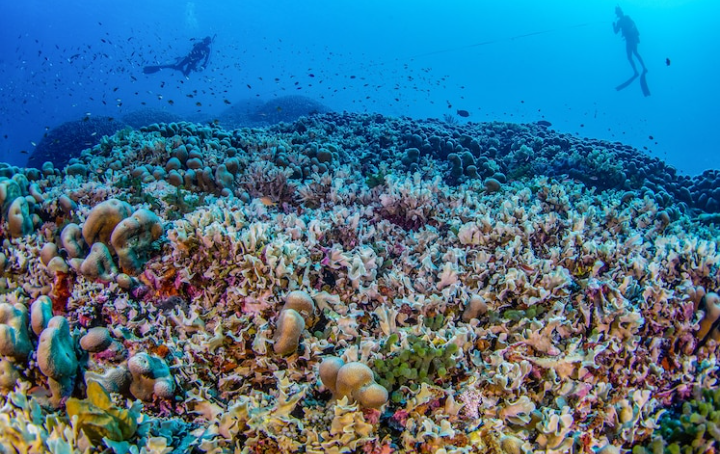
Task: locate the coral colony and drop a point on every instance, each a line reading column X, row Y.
column 351, row 283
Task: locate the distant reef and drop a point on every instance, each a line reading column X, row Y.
column 67, row 140
column 492, row 151
column 144, row 117
column 255, row 113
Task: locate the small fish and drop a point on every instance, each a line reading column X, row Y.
column 226, row 101
column 544, row 123
column 278, row 108
column 463, row 113
column 667, row 62
column 267, row 201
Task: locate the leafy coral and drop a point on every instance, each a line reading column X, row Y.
column 98, row 418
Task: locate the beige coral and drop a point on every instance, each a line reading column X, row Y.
column 102, row 219
column 297, row 313
column 150, row 376
column 57, row 359
column 352, row 380
column 133, row 237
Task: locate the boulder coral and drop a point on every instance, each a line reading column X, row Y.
column 132, row 238
column 99, row 264
column 16, row 208
column 297, row 313
column 71, row 240
column 14, row 336
column 353, row 380
column 57, row 359
column 150, row 377
column 102, row 219
column 20, row 222
column 96, row 339
column 40, row 314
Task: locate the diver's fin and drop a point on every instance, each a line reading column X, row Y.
column 154, row 69
column 644, row 85
column 626, row 83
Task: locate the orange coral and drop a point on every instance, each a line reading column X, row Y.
column 61, row 291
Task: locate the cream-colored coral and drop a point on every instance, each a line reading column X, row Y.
column 96, row 339
column 20, row 222
column 102, row 219
column 99, row 264
column 354, row 381
column 297, row 313
column 133, row 237
column 150, row 376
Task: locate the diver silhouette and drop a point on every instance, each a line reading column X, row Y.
column 196, row 60
column 631, row 34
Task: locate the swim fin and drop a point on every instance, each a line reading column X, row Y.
column 644, row 85
column 626, row 83
column 152, row 69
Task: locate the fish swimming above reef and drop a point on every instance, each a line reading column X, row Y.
column 463, row 113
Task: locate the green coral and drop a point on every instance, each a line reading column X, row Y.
column 136, row 193
column 423, row 362
column 181, row 202
column 376, row 179
column 98, row 418
column 695, row 429
column 434, row 322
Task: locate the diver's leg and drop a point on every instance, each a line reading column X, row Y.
column 629, row 50
column 637, row 54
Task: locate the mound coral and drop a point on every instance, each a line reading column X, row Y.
column 353, row 381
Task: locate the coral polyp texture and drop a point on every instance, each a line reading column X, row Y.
column 351, row 283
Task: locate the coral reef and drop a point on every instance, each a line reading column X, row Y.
column 358, row 283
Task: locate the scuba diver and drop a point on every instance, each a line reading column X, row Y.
column 196, row 60
column 632, row 38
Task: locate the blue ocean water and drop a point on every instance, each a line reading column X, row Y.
column 521, row 61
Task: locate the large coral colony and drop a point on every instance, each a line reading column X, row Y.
column 360, row 284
